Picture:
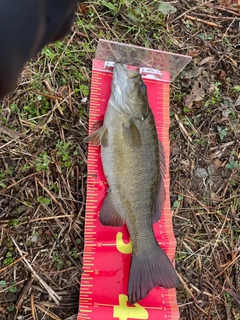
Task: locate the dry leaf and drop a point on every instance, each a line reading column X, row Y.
column 193, row 73
column 193, row 53
column 206, row 60
column 9, row 132
column 197, row 94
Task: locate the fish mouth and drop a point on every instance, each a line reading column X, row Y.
column 123, row 77
column 121, row 72
column 128, row 96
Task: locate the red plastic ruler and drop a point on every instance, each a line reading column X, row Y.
column 107, row 251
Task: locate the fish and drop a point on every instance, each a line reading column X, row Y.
column 134, row 166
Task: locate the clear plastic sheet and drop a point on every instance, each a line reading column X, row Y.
column 142, row 57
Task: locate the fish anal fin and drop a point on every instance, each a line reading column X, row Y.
column 160, row 192
column 148, row 271
column 109, row 215
column 96, row 137
column 131, row 135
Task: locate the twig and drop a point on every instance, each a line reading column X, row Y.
column 192, row 9
column 182, row 128
column 47, row 95
column 65, row 251
column 191, row 196
column 223, row 145
column 56, row 100
column 186, row 287
column 13, row 263
column 17, row 182
column 216, row 17
column 54, row 217
column 49, row 313
column 235, row 13
column 64, row 51
column 50, row 291
column 15, row 284
column 103, row 21
column 228, row 265
column 212, row 24
column 220, row 232
column 24, row 293
column 53, row 198
column 33, row 308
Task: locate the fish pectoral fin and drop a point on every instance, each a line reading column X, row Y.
column 98, row 137
column 160, row 196
column 131, row 135
column 104, row 138
column 109, row 215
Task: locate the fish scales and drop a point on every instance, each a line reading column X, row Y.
column 133, row 175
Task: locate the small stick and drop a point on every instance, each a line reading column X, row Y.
column 33, row 307
column 50, row 291
column 224, row 9
column 212, row 24
column 219, row 234
column 186, row 287
column 191, row 196
column 65, row 251
column 46, row 95
column 223, row 145
column 182, row 128
column 56, row 100
column 13, row 263
column 216, row 17
column 192, row 9
column 53, row 198
column 229, row 264
column 18, row 182
column 24, row 293
column 49, row 313
column 54, row 217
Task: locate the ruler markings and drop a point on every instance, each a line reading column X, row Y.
column 97, row 97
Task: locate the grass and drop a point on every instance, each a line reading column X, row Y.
column 43, row 159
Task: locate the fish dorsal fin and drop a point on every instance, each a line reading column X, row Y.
column 131, row 135
column 160, row 192
column 98, row 137
column 109, row 215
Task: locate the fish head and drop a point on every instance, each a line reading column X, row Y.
column 129, row 93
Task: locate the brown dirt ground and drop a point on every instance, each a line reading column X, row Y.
column 43, row 159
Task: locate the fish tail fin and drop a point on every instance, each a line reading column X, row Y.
column 148, row 271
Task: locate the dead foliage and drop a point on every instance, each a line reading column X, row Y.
column 43, row 159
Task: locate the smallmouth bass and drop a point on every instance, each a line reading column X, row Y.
column 134, row 166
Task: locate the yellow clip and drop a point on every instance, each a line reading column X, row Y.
column 121, row 245
column 124, row 312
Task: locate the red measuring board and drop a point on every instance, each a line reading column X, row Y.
column 107, row 251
